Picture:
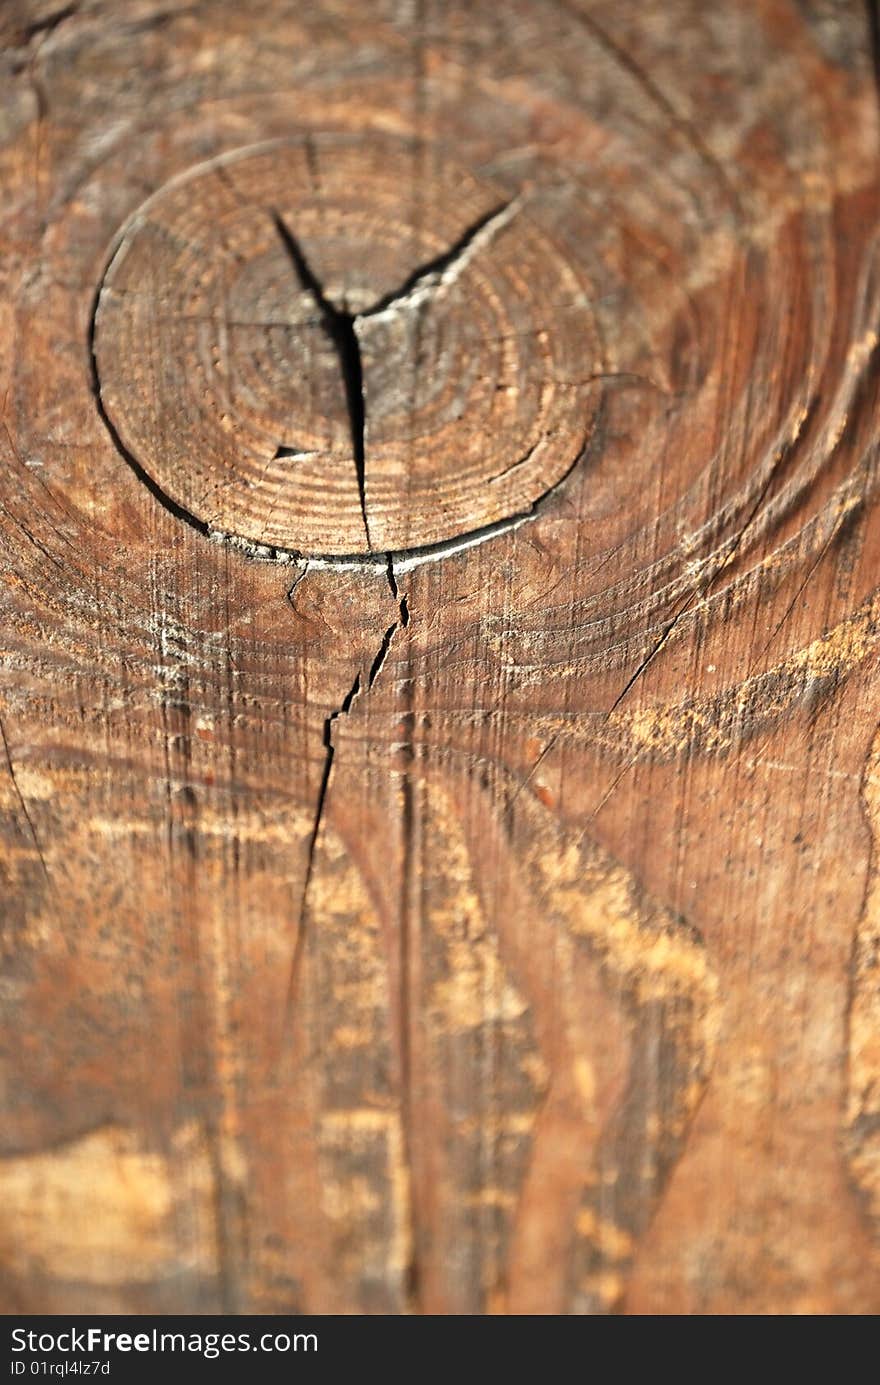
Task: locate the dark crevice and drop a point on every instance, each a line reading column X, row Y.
column 351, row 362
column 399, row 596
column 652, row 652
column 329, row 751
column 302, row 575
column 337, row 322
column 437, row 267
column 444, row 548
column 284, row 451
column 376, row 667
column 342, row 710
column 339, row 325
column 178, row 511
column 389, row 572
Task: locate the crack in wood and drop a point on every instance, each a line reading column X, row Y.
column 213, row 493
column 341, row 324
column 437, row 271
column 342, row 710
column 283, row 452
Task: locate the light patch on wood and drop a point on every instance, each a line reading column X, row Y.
column 606, row 1287
column 611, row 1240
column 352, row 1200
column 103, row 1210
column 599, row 903
column 295, row 824
column 365, row 1175
column 716, row 724
column 34, row 784
column 476, row 989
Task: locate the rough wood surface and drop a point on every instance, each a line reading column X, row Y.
column 441, row 777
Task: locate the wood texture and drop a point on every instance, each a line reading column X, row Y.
column 439, row 526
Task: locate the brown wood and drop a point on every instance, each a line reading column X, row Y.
column 440, row 540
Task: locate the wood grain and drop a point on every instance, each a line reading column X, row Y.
column 439, row 525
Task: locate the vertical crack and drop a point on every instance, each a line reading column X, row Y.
column 339, row 325
column 342, row 710
column 391, row 575
column 412, row 1268
column 381, row 656
column 329, row 751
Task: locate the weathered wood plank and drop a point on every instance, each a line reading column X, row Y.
column 439, row 773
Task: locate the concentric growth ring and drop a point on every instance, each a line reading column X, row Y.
column 309, row 345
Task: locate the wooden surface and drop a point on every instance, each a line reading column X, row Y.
column 439, row 530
